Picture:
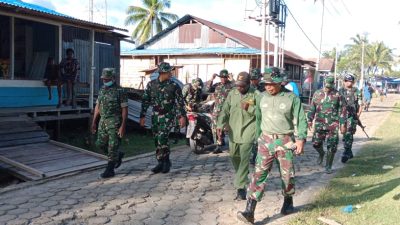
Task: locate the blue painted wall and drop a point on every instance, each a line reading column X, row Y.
column 26, row 96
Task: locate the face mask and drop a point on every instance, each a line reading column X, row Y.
column 109, row 83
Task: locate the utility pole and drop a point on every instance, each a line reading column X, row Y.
column 336, row 58
column 105, row 3
column 264, row 27
column 91, row 10
column 362, row 63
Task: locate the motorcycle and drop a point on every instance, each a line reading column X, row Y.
column 199, row 130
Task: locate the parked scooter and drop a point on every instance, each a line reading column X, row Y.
column 199, row 130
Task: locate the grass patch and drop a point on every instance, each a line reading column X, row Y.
column 136, row 141
column 363, row 182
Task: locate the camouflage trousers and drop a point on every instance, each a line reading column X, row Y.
column 240, row 155
column 348, row 136
column 217, row 140
column 270, row 148
column 107, row 137
column 331, row 136
column 161, row 127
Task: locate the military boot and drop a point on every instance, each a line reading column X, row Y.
column 159, row 167
column 321, row 154
column 287, row 207
column 329, row 161
column 166, row 166
column 109, row 172
column 119, row 161
column 241, row 194
column 248, row 215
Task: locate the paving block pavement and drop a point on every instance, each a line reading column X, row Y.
column 197, row 191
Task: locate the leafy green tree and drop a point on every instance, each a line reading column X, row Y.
column 149, row 19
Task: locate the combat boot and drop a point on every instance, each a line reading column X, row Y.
column 287, row 207
column 109, row 172
column 119, row 161
column 158, row 168
column 166, row 166
column 347, row 154
column 248, row 215
column 241, row 194
column 321, row 154
column 329, row 161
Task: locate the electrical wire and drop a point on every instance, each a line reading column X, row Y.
column 305, row 34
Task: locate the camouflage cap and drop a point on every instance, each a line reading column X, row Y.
column 197, row 83
column 349, row 77
column 223, row 73
column 243, row 78
column 255, row 74
column 164, row 67
column 272, row 75
column 108, row 73
column 329, row 81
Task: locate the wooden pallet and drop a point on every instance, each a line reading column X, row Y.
column 27, row 152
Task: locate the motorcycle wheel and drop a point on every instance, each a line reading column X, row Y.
column 197, row 149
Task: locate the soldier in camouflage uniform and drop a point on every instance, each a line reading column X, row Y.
column 166, row 98
column 278, row 113
column 255, row 76
column 329, row 111
column 352, row 98
column 112, row 108
column 220, row 91
column 192, row 94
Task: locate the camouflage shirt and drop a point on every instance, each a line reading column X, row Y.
column 111, row 100
column 352, row 99
column 165, row 97
column 328, row 109
column 220, row 93
column 191, row 96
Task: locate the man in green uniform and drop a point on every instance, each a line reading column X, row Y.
column 220, row 91
column 352, row 99
column 329, row 111
column 166, row 98
column 112, row 108
column 278, row 111
column 255, row 76
column 238, row 113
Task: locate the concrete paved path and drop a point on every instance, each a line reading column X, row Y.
column 198, row 190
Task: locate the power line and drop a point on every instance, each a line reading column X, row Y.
column 347, row 9
column 297, row 23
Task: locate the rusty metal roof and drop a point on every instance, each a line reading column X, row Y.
column 250, row 41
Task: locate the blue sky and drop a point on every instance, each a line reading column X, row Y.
column 343, row 18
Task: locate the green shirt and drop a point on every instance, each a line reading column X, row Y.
column 242, row 126
column 280, row 113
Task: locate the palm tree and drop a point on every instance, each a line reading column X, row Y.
column 149, row 19
column 378, row 57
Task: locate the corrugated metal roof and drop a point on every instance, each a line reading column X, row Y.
column 248, row 40
column 33, row 9
column 190, row 51
column 30, row 6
